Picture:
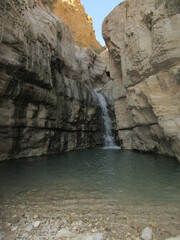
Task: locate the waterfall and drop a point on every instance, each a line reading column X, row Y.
column 107, row 134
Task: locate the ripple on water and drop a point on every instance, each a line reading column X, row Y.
column 109, row 189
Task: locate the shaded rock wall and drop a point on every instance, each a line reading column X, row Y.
column 47, row 104
column 72, row 12
column 143, row 38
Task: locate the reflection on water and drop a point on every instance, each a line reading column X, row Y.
column 125, row 176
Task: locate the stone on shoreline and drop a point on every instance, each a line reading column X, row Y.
column 64, row 233
column 174, row 238
column 36, row 224
column 29, row 228
column 146, row 233
column 2, row 235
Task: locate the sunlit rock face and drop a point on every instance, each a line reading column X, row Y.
column 72, row 12
column 143, row 38
column 47, row 103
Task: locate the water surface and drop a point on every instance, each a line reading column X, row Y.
column 146, row 186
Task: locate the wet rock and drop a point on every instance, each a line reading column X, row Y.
column 147, row 233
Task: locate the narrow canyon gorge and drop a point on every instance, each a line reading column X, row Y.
column 89, row 134
column 47, row 100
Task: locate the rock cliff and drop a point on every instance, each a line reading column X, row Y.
column 143, row 38
column 47, row 103
column 72, row 12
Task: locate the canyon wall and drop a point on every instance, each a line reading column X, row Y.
column 143, row 38
column 72, row 12
column 47, row 102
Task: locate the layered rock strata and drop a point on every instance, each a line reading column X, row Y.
column 47, row 103
column 72, row 12
column 143, row 38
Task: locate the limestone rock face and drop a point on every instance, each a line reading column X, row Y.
column 143, row 38
column 72, row 12
column 47, row 103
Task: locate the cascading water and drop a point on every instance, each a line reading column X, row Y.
column 107, row 134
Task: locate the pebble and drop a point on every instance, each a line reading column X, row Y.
column 90, row 237
column 29, row 228
column 14, row 229
column 98, row 236
column 128, row 235
column 2, row 235
column 95, row 236
column 153, row 224
column 147, row 233
column 36, row 224
column 25, row 235
column 63, row 233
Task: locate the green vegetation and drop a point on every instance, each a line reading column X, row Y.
column 172, row 6
column 50, row 3
column 96, row 49
column 148, row 19
column 99, row 50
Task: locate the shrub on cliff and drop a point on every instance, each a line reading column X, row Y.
column 172, row 6
column 50, row 3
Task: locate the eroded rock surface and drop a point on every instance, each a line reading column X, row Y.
column 47, row 103
column 72, row 12
column 143, row 38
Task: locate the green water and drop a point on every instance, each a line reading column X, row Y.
column 125, row 176
column 109, row 190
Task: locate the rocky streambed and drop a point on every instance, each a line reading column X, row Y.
column 85, row 219
column 90, row 194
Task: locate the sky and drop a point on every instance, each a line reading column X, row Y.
column 98, row 10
